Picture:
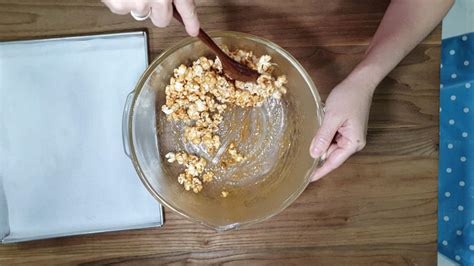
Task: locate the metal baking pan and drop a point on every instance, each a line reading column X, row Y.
column 63, row 171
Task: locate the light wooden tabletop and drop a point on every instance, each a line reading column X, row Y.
column 379, row 208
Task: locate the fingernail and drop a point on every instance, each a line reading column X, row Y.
column 314, row 151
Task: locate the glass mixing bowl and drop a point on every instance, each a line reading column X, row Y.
column 275, row 138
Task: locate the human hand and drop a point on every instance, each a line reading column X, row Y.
column 159, row 11
column 344, row 127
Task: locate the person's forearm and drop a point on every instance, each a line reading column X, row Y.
column 405, row 24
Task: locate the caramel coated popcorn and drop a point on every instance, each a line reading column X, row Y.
column 198, row 95
column 235, row 157
column 194, row 174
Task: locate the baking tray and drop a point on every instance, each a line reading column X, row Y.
column 63, row 170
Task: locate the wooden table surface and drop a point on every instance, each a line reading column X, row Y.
column 379, row 208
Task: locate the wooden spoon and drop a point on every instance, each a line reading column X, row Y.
column 232, row 68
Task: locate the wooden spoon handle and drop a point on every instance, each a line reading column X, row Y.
column 202, row 36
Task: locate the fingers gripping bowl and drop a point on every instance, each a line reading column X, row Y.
column 274, row 138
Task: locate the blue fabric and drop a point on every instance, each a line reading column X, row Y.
column 456, row 162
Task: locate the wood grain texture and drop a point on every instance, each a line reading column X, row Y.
column 378, row 209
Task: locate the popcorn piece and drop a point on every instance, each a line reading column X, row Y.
column 171, row 157
column 191, row 170
column 193, row 134
column 200, row 106
column 234, row 155
column 205, row 63
column 217, row 65
column 181, row 179
column 197, row 70
column 224, row 194
column 281, row 80
column 187, row 185
column 196, row 185
column 216, row 141
column 207, row 177
column 180, row 72
column 166, row 110
column 200, row 165
column 193, row 112
column 264, row 65
column 178, row 86
column 181, row 158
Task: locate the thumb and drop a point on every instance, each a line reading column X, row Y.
column 324, row 137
